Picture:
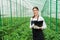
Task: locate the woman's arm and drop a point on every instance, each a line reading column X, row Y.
column 44, row 25
column 36, row 27
column 31, row 24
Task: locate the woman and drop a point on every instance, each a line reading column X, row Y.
column 36, row 30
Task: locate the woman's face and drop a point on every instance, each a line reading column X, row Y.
column 35, row 11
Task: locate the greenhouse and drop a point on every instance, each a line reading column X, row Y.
column 15, row 18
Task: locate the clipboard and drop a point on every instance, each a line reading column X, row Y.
column 37, row 23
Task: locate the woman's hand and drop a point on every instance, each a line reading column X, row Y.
column 36, row 27
column 40, row 28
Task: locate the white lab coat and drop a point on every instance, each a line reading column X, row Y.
column 40, row 18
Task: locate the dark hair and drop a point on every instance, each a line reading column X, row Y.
column 35, row 8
